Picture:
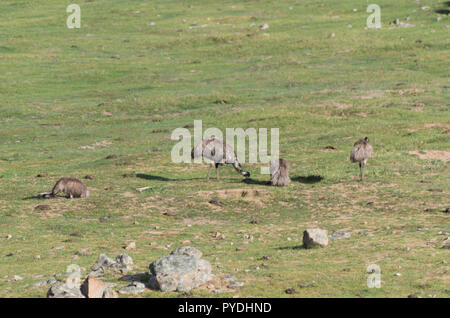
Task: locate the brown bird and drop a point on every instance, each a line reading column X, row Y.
column 279, row 173
column 220, row 153
column 361, row 152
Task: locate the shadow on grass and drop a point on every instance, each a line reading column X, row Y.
column 253, row 181
column 159, row 178
column 308, row 179
column 297, row 247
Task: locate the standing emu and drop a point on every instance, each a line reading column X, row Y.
column 219, row 153
column 279, row 173
column 362, row 150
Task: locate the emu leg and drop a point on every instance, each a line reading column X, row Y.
column 209, row 171
column 217, row 172
column 362, row 166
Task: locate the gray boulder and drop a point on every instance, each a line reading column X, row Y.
column 61, row 290
column 181, row 271
column 133, row 288
column 315, row 237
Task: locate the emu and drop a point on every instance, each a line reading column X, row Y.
column 219, row 153
column 72, row 187
column 361, row 152
column 279, row 173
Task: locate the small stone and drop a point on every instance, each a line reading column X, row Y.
column 8, row 237
column 187, row 250
column 413, row 296
column 236, row 285
column 133, row 288
column 290, row 291
column 89, row 177
column 131, row 246
column 338, row 235
column 60, row 290
column 315, row 237
column 17, row 278
column 42, row 175
column 265, row 26
column 331, row 35
column 397, row 274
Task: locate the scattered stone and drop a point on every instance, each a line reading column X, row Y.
column 8, row 237
column 111, row 157
column 133, row 288
column 131, row 246
column 61, row 290
column 290, row 291
column 216, row 202
column 9, row 254
column 305, row 285
column 413, row 296
column 89, row 177
column 255, row 221
column 331, row 35
column 43, row 207
column 45, row 282
column 94, row 288
column 77, row 234
column 129, row 175
column 180, row 271
column 265, row 258
column 338, row 235
column 170, row 213
column 236, row 285
column 230, row 278
column 17, row 278
column 397, row 274
column 123, row 262
column 240, row 249
column 142, row 189
column 265, row 26
column 446, row 246
column 315, row 237
column 187, row 250
column 42, row 175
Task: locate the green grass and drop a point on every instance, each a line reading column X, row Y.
column 318, row 91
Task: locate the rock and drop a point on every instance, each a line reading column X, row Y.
column 43, row 207
column 337, row 235
column 42, row 175
column 331, row 35
column 315, row 237
column 236, row 285
column 187, row 250
column 304, row 285
column 122, row 262
column 17, row 277
column 265, row 26
column 181, row 271
column 93, row 287
column 109, row 293
column 131, row 246
column 60, row 290
column 230, row 278
column 397, row 274
column 290, row 291
column 8, row 237
column 133, row 288
column 413, row 296
column 89, row 177
column 45, row 282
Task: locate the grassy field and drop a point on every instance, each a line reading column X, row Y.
column 136, row 70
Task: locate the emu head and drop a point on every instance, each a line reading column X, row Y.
column 366, row 138
column 238, row 168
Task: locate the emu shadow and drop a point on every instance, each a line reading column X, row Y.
column 308, row 179
column 151, row 177
column 159, row 178
column 296, row 247
column 253, row 181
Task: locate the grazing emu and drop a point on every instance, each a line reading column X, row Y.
column 362, row 150
column 219, row 153
column 279, row 173
column 72, row 187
